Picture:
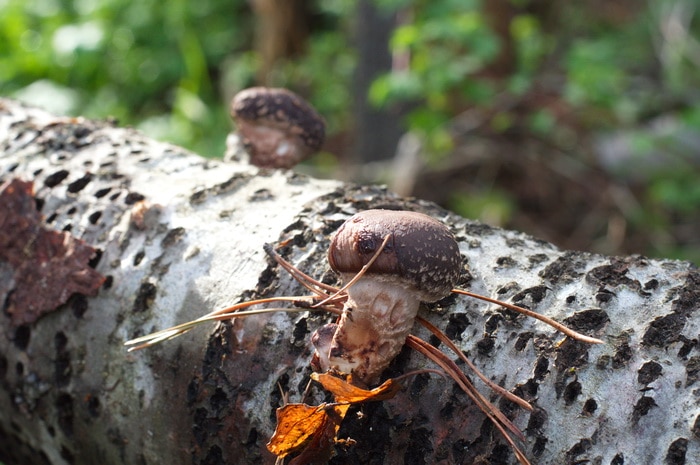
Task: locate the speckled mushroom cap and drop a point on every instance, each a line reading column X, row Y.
column 421, row 250
column 282, row 110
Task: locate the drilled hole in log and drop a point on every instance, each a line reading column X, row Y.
column 56, row 178
column 94, row 217
column 79, row 184
column 22, row 335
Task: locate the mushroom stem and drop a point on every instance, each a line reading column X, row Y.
column 377, row 316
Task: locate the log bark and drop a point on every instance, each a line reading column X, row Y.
column 179, row 236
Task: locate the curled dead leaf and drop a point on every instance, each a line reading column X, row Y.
column 47, row 266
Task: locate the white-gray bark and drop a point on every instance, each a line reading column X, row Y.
column 180, row 236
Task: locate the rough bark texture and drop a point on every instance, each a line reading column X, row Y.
column 180, row 236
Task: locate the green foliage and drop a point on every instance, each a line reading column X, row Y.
column 138, row 61
column 170, row 69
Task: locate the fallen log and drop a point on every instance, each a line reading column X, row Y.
column 173, row 236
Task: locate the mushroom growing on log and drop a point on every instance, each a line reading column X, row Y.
column 278, row 128
column 419, row 263
column 70, row 395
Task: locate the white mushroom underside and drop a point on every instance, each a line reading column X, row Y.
column 377, row 318
column 271, row 146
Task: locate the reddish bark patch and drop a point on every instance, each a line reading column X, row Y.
column 48, row 266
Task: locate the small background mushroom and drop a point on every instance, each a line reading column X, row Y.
column 276, row 127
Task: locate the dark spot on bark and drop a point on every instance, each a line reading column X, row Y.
column 420, row 446
column 300, row 331
column 282, row 384
column 539, row 446
column 676, row 452
column 79, row 304
column 22, row 336
column 94, row 217
column 536, row 422
column 102, row 192
column 619, row 459
column 491, row 324
column 64, row 414
column 603, row 362
column 109, row 280
column 93, row 406
column 261, row 195
column 613, row 275
column 649, row 372
column 604, row 296
column 663, row 330
column 571, row 354
column 144, row 297
column 133, row 197
column 51, row 218
column 172, row 236
column 252, row 437
column 418, row 385
column 589, row 407
column 506, row 262
column 563, row 269
column 506, row 288
column 500, row 454
column 214, row 457
column 651, row 285
column 95, row 259
column 79, row 184
column 218, row 401
column 485, row 345
column 522, row 340
column 62, row 364
column 3, row 366
column 688, row 299
column 192, row 391
column 541, row 368
column 692, row 371
column 67, row 455
column 71, row 211
column 535, row 293
column 622, row 355
column 688, row 345
column 56, row 178
column 456, row 324
column 571, row 299
column 372, row 433
column 642, row 407
column 571, row 392
column 19, row 369
column 538, row 258
column 578, row 449
column 139, row 257
column 39, row 203
column 204, row 426
column 114, row 196
column 587, row 320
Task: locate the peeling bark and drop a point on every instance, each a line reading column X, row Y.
column 179, row 236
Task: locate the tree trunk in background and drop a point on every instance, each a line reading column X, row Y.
column 281, row 32
column 376, row 131
column 180, row 236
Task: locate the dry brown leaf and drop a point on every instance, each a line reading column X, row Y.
column 346, row 392
column 312, row 428
column 47, row 266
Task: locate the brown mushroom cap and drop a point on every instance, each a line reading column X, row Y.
column 421, row 250
column 280, row 110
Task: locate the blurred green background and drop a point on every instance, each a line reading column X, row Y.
column 577, row 122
